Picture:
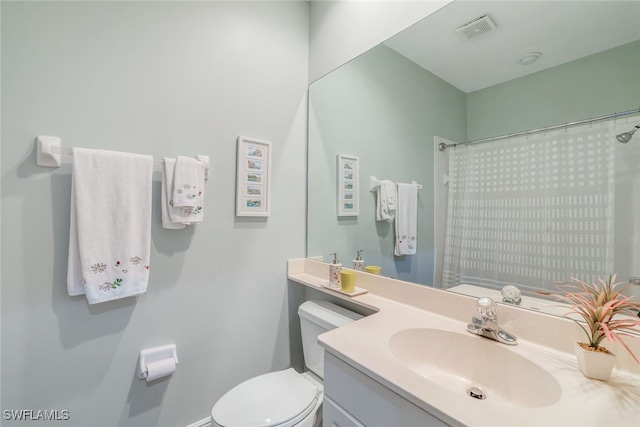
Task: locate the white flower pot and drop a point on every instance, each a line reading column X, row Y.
column 595, row 364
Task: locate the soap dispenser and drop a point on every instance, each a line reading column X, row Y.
column 334, row 272
column 358, row 263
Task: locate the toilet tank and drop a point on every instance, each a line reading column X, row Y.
column 318, row 317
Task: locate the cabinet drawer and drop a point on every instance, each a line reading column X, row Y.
column 334, row 416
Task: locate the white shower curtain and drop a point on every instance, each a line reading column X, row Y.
column 531, row 210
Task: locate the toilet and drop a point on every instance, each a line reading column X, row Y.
column 286, row 398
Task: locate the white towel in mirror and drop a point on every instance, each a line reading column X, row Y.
column 386, row 201
column 407, row 220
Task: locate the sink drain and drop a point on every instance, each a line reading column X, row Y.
column 476, row 393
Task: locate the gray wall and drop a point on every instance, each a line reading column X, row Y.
column 165, row 79
column 385, row 110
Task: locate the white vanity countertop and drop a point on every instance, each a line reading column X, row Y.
column 364, row 345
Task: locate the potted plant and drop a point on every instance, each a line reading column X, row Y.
column 597, row 304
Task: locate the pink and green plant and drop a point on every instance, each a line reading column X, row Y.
column 598, row 304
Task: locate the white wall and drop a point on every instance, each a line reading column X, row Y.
column 164, row 79
column 342, row 30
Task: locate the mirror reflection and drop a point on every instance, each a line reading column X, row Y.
column 524, row 210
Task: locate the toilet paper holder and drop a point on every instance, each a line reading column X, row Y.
column 154, row 355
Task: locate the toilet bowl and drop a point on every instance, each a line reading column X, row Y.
column 283, row 399
column 286, row 398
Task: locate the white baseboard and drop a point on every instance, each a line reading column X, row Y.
column 202, row 423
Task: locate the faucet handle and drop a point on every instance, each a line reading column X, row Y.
column 487, row 309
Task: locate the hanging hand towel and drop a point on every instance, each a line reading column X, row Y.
column 386, row 203
column 185, row 190
column 110, row 230
column 407, row 220
column 166, row 197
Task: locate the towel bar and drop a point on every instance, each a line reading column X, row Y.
column 49, row 152
column 375, row 183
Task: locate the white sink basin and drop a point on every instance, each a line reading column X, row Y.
column 461, row 362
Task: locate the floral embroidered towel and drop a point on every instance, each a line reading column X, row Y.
column 386, row 201
column 185, row 191
column 110, row 230
column 166, row 196
column 406, row 220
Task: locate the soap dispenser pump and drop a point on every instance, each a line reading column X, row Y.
column 334, row 272
column 358, row 263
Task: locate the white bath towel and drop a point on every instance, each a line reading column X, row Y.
column 407, row 220
column 185, row 190
column 166, row 197
column 386, row 201
column 110, row 230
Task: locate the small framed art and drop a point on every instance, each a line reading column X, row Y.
column 348, row 187
column 253, row 181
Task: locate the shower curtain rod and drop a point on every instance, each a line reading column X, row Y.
column 442, row 146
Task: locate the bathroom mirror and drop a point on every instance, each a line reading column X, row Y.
column 388, row 107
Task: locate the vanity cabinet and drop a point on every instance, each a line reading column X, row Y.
column 353, row 399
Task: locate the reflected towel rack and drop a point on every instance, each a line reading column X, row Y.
column 49, row 152
column 375, row 183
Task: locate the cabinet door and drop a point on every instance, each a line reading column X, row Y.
column 334, row 416
column 371, row 403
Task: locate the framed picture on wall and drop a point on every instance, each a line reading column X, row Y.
column 253, row 181
column 348, row 187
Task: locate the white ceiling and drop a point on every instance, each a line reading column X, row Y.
column 561, row 30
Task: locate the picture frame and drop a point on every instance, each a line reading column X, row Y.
column 253, row 179
column 348, row 173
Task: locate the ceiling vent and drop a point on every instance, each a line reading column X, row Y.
column 477, row 27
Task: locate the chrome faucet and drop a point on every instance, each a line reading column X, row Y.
column 487, row 324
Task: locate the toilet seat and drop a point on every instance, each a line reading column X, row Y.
column 279, row 399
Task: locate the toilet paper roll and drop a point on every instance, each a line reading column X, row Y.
column 160, row 369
